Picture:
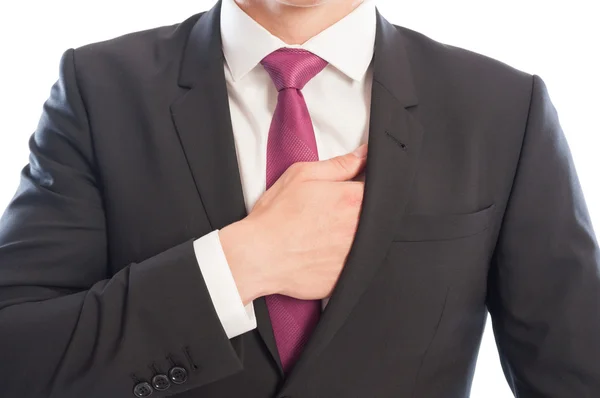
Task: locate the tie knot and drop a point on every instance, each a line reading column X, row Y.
column 292, row 68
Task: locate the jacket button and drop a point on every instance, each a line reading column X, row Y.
column 178, row 375
column 161, row 382
column 142, row 390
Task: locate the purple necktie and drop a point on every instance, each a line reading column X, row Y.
column 291, row 140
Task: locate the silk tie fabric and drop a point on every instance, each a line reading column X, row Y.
column 291, row 139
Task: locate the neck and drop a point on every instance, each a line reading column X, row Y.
column 293, row 24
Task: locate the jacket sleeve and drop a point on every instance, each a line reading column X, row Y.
column 544, row 284
column 68, row 328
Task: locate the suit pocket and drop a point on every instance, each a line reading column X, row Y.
column 426, row 227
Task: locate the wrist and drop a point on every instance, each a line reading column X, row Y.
column 247, row 260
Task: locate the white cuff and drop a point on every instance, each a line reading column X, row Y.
column 235, row 318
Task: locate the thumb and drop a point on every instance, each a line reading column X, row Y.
column 340, row 168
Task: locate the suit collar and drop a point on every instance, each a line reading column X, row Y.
column 203, row 50
column 391, row 63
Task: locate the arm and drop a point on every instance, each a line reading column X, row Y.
column 67, row 327
column 544, row 286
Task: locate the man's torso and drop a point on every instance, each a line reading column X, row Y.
column 409, row 317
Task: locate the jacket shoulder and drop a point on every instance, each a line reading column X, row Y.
column 438, row 60
column 138, row 53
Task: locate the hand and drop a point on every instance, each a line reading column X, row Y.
column 296, row 238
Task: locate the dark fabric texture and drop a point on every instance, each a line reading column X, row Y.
column 472, row 202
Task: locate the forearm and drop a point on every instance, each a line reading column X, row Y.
column 121, row 326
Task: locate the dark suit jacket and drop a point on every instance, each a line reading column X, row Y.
column 472, row 203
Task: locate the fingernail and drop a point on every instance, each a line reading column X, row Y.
column 361, row 151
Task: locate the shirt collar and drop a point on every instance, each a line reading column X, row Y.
column 347, row 45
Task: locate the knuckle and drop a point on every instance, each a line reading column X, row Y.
column 343, row 163
column 295, row 172
column 295, row 168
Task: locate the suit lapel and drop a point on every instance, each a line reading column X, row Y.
column 203, row 121
column 394, row 143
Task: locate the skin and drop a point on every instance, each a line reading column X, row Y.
column 296, row 21
column 296, row 238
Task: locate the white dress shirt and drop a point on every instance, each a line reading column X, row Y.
column 338, row 100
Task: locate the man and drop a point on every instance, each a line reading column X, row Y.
column 192, row 222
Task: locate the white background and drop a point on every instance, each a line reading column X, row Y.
column 560, row 41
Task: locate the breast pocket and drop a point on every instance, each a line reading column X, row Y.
column 436, row 227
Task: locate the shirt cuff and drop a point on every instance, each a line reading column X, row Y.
column 235, row 318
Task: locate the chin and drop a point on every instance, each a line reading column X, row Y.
column 303, row 3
